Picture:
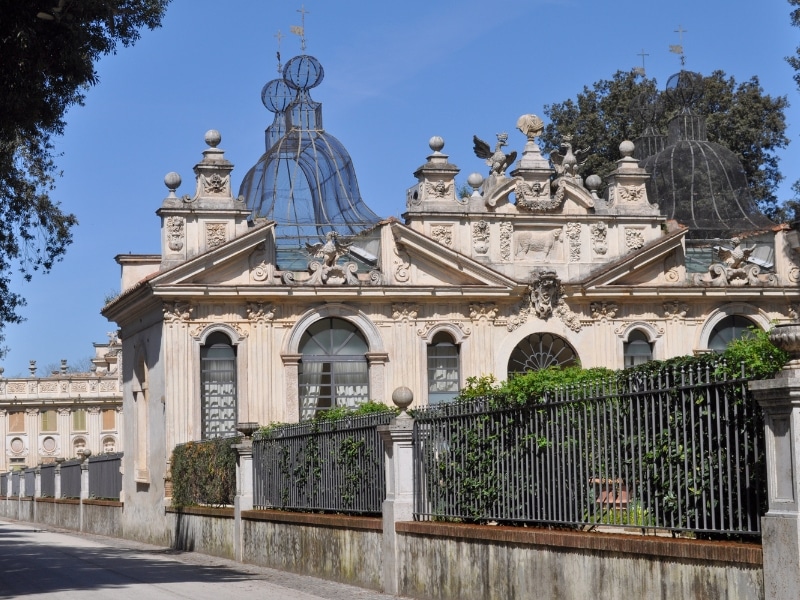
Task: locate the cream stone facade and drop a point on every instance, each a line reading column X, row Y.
column 536, row 268
column 57, row 415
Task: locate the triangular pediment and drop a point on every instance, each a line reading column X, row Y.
column 231, row 263
column 421, row 261
column 654, row 264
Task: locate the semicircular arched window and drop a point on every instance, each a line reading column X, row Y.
column 333, row 369
column 728, row 329
column 218, row 383
column 540, row 351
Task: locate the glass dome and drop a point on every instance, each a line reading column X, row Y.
column 305, row 181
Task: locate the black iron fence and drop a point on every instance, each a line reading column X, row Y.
column 4, row 483
column 322, row 466
column 47, row 475
column 680, row 451
column 71, row 478
column 29, row 476
column 105, row 478
column 15, row 477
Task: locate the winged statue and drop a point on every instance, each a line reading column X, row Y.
column 568, row 162
column 498, row 160
column 330, row 250
column 737, row 256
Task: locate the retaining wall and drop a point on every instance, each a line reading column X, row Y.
column 205, row 530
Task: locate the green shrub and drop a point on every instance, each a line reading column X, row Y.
column 204, row 473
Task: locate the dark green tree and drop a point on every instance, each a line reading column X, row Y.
column 48, row 49
column 739, row 116
column 793, row 206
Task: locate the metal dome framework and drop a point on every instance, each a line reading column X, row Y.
column 305, row 181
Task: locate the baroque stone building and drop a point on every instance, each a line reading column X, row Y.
column 293, row 296
column 56, row 415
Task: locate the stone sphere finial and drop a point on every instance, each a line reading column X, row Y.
column 173, row 181
column 626, row 148
column 402, row 397
column 436, row 143
column 475, row 180
column 593, row 182
column 213, row 138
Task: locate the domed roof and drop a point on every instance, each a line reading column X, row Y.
column 699, row 183
column 305, row 181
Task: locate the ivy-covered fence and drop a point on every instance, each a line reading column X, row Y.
column 322, row 465
column 678, row 448
column 204, row 473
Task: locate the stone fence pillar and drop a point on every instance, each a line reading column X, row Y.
column 399, row 503
column 57, row 481
column 86, row 453
column 780, row 400
column 244, row 485
column 37, row 492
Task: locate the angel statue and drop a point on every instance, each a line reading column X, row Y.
column 498, row 160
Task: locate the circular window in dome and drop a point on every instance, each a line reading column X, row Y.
column 17, row 445
column 540, row 351
column 49, row 445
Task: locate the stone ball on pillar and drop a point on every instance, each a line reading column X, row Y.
column 402, row 397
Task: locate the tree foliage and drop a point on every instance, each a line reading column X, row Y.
column 739, row 116
column 48, row 51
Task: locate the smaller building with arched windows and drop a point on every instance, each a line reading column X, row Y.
column 292, row 297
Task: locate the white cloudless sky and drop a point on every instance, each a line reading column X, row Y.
column 396, row 73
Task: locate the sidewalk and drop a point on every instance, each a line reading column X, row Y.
column 52, row 563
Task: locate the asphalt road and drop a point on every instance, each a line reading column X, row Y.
column 55, row 564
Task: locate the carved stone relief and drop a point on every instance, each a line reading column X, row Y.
column 425, row 329
column 483, row 311
column 48, row 386
column 260, row 312
column 175, row 232
column 540, row 243
column 79, row 386
column 216, row 184
column 17, row 387
column 506, row 231
column 108, row 386
column 402, row 263
column 574, row 236
column 404, row 311
column 603, row 310
column 535, row 197
column 263, row 271
column 634, row 239
column 675, row 309
column 634, row 193
column 480, row 237
column 543, row 300
column 443, row 234
column 438, row 190
column 599, row 233
column 734, row 270
column 215, row 234
column 177, row 312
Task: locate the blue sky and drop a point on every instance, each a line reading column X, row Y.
column 396, row 73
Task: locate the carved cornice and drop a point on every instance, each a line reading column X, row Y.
column 260, row 312
column 405, row 311
column 483, row 311
column 177, row 312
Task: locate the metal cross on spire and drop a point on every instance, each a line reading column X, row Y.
column 641, row 70
column 279, row 36
column 678, row 48
column 301, row 29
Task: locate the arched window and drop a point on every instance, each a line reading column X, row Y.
column 333, row 366
column 539, row 351
column 443, row 369
column 728, row 329
column 637, row 349
column 218, row 386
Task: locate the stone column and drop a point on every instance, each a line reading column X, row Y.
column 399, row 503
column 244, row 485
column 780, row 400
column 57, row 481
column 84, row 484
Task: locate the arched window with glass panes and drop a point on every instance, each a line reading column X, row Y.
column 333, row 369
column 444, row 372
column 638, row 349
column 218, row 386
column 728, row 329
column 540, row 351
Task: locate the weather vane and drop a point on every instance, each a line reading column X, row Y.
column 641, row 70
column 678, row 48
column 301, row 29
column 279, row 36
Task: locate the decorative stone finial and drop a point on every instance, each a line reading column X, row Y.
column 475, row 180
column 436, row 143
column 531, row 126
column 787, row 337
column 593, row 183
column 626, row 148
column 402, row 398
column 173, row 181
column 32, row 368
column 213, row 138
